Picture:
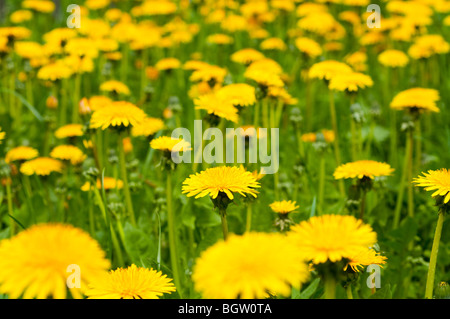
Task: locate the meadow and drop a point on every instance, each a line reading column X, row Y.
column 345, row 100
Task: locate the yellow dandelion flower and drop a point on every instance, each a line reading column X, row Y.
column 35, row 263
column 318, row 22
column 308, row 46
column 20, row 16
column 422, row 99
column 130, row 283
column 365, row 257
column 357, row 61
column 239, row 94
column 218, row 106
column 268, row 65
column 273, row 44
column 148, row 127
column 21, row 153
column 168, row 64
column 170, row 144
column 437, row 181
column 246, row 56
column 45, row 6
column 263, row 78
column 427, row 45
column 69, row 130
column 55, row 71
column 220, row 38
column 117, row 114
column 249, row 266
column 363, row 168
column 41, row 166
column 327, row 69
column 99, row 101
column 209, row 73
column 223, row 179
column 393, row 58
column 284, row 206
column 331, row 237
column 68, row 153
column 2, row 135
column 116, row 87
column 108, row 183
column 350, row 82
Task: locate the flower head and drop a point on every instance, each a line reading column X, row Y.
column 393, row 58
column 325, row 70
column 222, row 179
column 249, row 266
column 308, row 46
column 437, row 181
column 350, row 82
column 169, row 144
column 363, row 168
column 115, row 87
column 246, row 56
column 148, row 127
column 117, row 114
column 217, row 105
column 35, row 262
column 68, row 153
column 41, row 166
column 21, row 153
column 365, row 257
column 130, row 283
column 69, row 130
column 284, row 206
column 422, row 99
column 331, row 237
column 239, row 94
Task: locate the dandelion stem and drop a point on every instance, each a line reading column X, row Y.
column 223, row 217
column 249, row 218
column 172, row 234
column 321, row 183
column 433, row 256
column 401, row 190
column 10, row 207
column 337, row 151
column 330, row 287
column 349, row 292
column 126, row 187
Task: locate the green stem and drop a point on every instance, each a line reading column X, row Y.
column 405, row 175
column 10, row 208
column 223, row 217
column 337, row 151
column 349, row 292
column 249, row 218
column 320, row 195
column 172, row 234
column 126, row 187
column 363, row 204
column 433, row 257
column 330, row 287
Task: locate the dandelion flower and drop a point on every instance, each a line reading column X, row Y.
column 222, row 179
column 169, row 144
column 116, row 87
column 350, row 82
column 393, row 58
column 168, row 64
column 130, row 283
column 284, row 206
column 308, row 46
column 148, row 127
column 118, row 114
column 42, row 166
column 331, row 237
column 218, row 106
column 2, row 135
column 437, row 181
column 69, row 130
column 34, row 263
column 246, row 56
column 239, row 94
column 365, row 257
column 422, row 99
column 249, row 266
column 108, row 183
column 363, row 168
column 21, row 153
column 68, row 153
column 325, row 70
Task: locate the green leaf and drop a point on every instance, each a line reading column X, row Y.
column 26, row 103
column 139, row 244
column 307, row 292
column 383, row 293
